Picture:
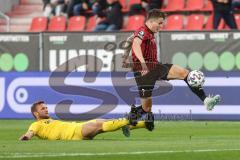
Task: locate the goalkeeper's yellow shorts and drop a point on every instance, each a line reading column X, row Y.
column 78, row 131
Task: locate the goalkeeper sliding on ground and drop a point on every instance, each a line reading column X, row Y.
column 47, row 128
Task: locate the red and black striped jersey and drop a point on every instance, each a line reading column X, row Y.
column 148, row 46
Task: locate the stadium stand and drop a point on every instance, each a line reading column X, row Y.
column 27, row 16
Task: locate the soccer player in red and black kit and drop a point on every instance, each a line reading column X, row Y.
column 147, row 70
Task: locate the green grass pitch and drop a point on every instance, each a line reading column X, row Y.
column 171, row 140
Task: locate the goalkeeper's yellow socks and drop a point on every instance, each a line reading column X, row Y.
column 113, row 125
column 140, row 124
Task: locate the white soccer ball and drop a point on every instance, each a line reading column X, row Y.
column 196, row 78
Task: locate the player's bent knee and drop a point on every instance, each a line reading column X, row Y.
column 99, row 127
column 145, row 94
column 179, row 72
column 184, row 73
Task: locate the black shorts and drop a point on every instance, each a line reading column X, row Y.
column 146, row 83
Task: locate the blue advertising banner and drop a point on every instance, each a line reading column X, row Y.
column 109, row 95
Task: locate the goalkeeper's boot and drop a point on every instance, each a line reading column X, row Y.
column 133, row 115
column 126, row 131
column 211, row 101
column 149, row 121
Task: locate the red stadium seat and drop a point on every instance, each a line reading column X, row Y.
column 195, row 22
column 57, row 23
column 195, row 5
column 237, row 18
column 124, row 5
column 175, row 5
column 208, row 6
column 174, row 22
column 39, row 24
column 77, row 23
column 134, row 22
column 91, row 24
column 209, row 24
column 131, row 2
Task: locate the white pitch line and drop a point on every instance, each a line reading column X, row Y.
column 37, row 155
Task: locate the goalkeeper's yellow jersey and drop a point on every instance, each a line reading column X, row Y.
column 54, row 129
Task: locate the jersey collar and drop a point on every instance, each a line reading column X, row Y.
column 148, row 29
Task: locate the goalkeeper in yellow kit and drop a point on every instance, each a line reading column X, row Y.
column 47, row 128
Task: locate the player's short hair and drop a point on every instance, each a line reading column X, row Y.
column 34, row 107
column 155, row 13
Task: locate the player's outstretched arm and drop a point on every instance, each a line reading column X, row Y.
column 27, row 136
column 128, row 44
column 128, row 47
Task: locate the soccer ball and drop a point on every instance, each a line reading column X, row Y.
column 196, row 78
